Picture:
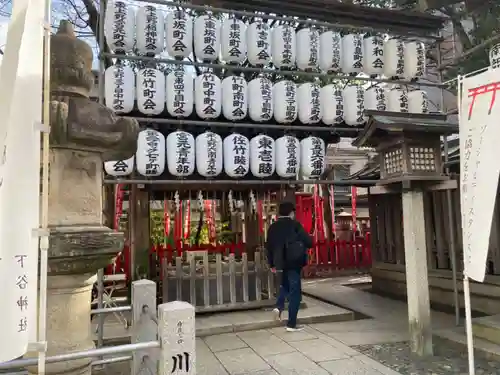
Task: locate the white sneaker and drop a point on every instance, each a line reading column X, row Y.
column 294, row 329
column 277, row 314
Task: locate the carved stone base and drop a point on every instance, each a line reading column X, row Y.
column 68, row 322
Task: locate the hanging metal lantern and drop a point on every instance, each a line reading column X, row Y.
column 352, row 53
column 259, row 43
column 373, row 63
column 262, row 156
column 332, row 105
column 307, row 49
column 208, row 96
column 233, row 41
column 285, row 106
column 150, row 91
column 330, row 51
column 312, row 157
column 149, row 30
column 375, row 99
column 209, row 154
column 260, row 99
column 207, row 37
column 150, row 155
column 119, row 26
column 414, row 60
column 179, row 92
column 309, row 103
column 236, row 155
column 287, row 156
column 418, row 102
column 119, row 168
column 394, row 58
column 119, row 88
column 180, row 154
column 283, row 46
column 179, row 34
column 354, row 105
column 234, row 98
column 397, row 100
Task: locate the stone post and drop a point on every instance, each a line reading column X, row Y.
column 84, row 134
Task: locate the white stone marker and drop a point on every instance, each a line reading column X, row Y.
column 176, row 332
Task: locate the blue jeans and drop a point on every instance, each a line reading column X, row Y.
column 291, row 287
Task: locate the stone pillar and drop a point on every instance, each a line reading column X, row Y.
column 417, row 283
column 84, row 134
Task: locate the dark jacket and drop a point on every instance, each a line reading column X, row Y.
column 281, row 234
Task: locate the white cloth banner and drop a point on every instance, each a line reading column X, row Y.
column 479, row 166
column 20, row 111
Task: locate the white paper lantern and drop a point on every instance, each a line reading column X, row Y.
column 150, row 155
column 150, row 30
column 119, row 26
column 179, row 34
column 262, row 156
column 414, row 60
column 352, row 53
column 179, row 92
column 495, row 56
column 150, row 91
column 309, row 103
column 312, row 157
column 119, row 168
column 332, row 107
column 283, row 46
column 119, row 89
column 234, row 98
column 236, row 155
column 285, row 106
column 180, row 154
column 207, row 96
column 209, row 154
column 233, row 41
column 259, row 43
column 287, row 156
column 373, row 62
column 397, row 100
column 307, row 49
column 260, row 99
column 418, row 102
column 353, row 97
column 375, row 99
column 330, row 51
column 394, row 58
column 207, row 38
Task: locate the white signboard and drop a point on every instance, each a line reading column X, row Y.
column 479, row 167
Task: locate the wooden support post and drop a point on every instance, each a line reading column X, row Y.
column 417, row 284
column 176, row 332
column 144, row 326
column 140, row 233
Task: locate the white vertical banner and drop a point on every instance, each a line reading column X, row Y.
column 21, row 78
column 479, row 167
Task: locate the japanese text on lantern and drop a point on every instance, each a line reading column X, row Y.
column 317, row 157
column 380, row 97
column 179, row 31
column 238, row 97
column 377, row 52
column 179, row 86
column 151, row 31
column 287, row 46
column 209, row 92
column 119, row 75
column 211, row 154
column 360, row 105
column 265, row 90
column 240, row 149
column 314, row 48
column 263, row 41
column 21, row 282
column 291, row 158
column 400, row 55
column 336, row 46
column 358, row 52
column 210, row 37
column 235, row 39
column 339, row 105
column 152, row 152
column 291, row 101
column 403, row 102
column 119, row 24
column 265, row 155
column 149, row 88
column 420, row 60
column 315, row 103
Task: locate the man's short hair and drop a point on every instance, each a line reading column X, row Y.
column 286, row 208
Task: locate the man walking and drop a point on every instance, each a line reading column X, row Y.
column 287, row 244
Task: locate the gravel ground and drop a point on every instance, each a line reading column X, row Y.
column 447, row 360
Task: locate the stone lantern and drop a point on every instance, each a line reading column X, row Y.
column 409, row 151
column 84, row 134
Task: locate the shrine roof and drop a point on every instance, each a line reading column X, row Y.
column 380, row 124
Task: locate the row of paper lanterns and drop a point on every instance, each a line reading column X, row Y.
column 233, row 41
column 235, row 155
column 259, row 99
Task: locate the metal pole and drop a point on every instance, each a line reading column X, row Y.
column 107, row 361
column 92, row 353
column 100, row 306
column 269, row 71
column 109, row 310
column 453, row 247
column 468, row 326
column 360, row 183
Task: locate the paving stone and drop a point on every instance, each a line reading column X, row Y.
column 206, row 362
column 369, row 337
column 228, row 341
column 263, row 342
column 242, row 361
column 294, row 364
column 349, row 366
column 318, row 350
column 283, row 334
